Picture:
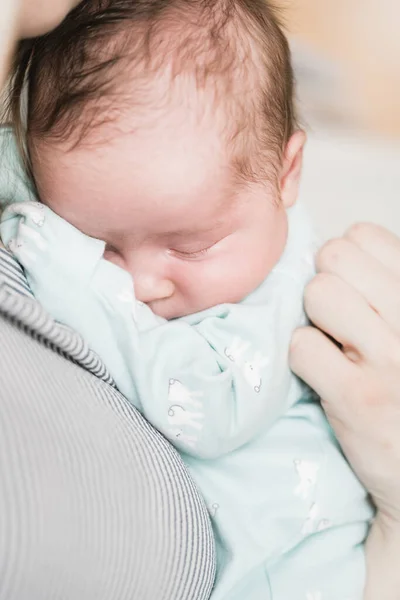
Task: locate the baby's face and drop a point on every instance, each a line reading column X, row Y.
column 166, row 203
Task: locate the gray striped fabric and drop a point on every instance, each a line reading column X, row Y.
column 30, row 315
column 12, row 276
column 94, row 504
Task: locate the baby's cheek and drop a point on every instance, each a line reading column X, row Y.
column 227, row 279
column 246, row 269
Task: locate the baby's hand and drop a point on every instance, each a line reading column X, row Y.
column 59, row 260
column 66, row 269
column 72, row 281
column 44, row 243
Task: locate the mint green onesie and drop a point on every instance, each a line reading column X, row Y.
column 289, row 515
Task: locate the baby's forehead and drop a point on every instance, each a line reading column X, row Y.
column 167, row 170
column 143, row 99
column 180, row 129
column 167, row 82
column 226, row 59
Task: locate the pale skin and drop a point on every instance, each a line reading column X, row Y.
column 355, row 298
column 27, row 18
column 165, row 198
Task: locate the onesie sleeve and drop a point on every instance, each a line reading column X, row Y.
column 210, row 382
column 213, row 385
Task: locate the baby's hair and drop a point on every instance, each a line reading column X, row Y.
column 235, row 48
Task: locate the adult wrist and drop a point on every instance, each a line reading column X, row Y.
column 382, row 558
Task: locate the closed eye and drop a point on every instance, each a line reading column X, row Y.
column 197, row 253
column 191, row 255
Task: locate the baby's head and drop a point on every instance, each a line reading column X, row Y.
column 167, row 129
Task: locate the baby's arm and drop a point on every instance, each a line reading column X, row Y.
column 209, row 384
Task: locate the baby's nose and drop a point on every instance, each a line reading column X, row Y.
column 149, row 288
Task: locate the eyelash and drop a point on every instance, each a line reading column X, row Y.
column 191, row 255
column 178, row 253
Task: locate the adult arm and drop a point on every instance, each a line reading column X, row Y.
column 27, row 18
column 94, row 503
column 355, row 301
column 87, row 488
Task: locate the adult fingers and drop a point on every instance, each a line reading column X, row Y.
column 344, row 314
column 321, row 364
column 379, row 243
column 362, row 271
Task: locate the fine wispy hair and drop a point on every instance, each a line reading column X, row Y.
column 235, row 50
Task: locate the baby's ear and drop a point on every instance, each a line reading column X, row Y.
column 291, row 168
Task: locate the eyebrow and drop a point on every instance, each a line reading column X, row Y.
column 219, row 223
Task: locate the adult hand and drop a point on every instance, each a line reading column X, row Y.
column 355, row 301
column 27, row 18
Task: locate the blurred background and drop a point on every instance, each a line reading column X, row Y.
column 347, row 61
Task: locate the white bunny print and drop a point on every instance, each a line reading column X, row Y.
column 179, row 394
column 189, row 440
column 252, row 370
column 236, row 350
column 251, row 367
column 307, row 472
column 179, row 416
column 313, row 522
column 184, row 411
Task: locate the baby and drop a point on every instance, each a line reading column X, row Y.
column 165, row 154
